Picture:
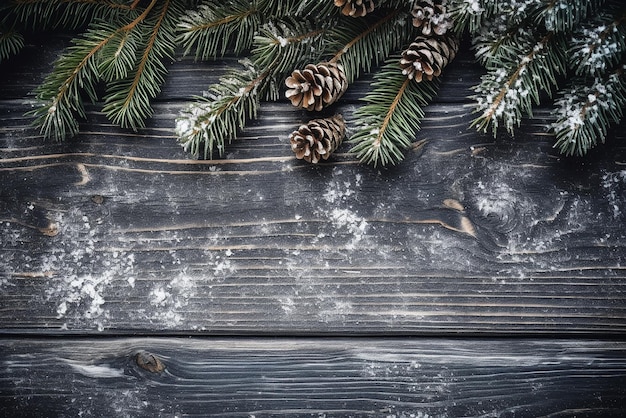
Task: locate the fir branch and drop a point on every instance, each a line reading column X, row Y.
column 471, row 14
column 11, row 42
column 309, row 9
column 68, row 14
column 300, row 9
column 585, row 112
column 282, row 46
column 515, row 79
column 388, row 122
column 213, row 27
column 210, row 122
column 597, row 46
column 495, row 37
column 78, row 71
column 75, row 71
column 127, row 102
column 365, row 42
column 118, row 56
column 564, row 15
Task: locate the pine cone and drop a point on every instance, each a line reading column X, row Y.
column 426, row 57
column 316, row 86
column 318, row 138
column 355, row 8
column 431, row 16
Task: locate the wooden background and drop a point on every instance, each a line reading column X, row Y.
column 479, row 277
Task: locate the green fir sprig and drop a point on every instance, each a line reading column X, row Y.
column 11, row 42
column 532, row 49
column 67, row 14
column 386, row 125
column 363, row 43
column 127, row 100
column 128, row 54
column 216, row 27
column 209, row 123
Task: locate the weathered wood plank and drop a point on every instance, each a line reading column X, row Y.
column 304, row 377
column 124, row 232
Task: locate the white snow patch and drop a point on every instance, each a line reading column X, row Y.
column 171, row 299
column 80, row 272
column 96, row 371
column 345, row 219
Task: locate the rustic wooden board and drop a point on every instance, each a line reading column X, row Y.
column 312, row 377
column 124, row 232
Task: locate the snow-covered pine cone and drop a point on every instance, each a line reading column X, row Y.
column 426, row 57
column 431, row 17
column 318, row 138
column 317, row 86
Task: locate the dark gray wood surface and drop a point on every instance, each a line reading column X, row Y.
column 313, row 377
column 117, row 234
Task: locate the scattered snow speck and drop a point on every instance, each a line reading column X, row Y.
column 159, row 296
column 283, row 41
column 350, row 221
column 78, row 293
column 614, row 185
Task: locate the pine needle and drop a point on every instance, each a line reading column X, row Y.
column 127, row 102
column 11, row 42
column 389, row 121
column 365, row 42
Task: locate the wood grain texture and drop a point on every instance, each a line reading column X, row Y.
column 312, row 377
column 123, row 232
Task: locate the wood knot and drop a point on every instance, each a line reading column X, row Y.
column 97, row 199
column 51, row 230
column 149, row 362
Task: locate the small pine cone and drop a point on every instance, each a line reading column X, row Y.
column 318, row 138
column 317, row 86
column 355, row 8
column 431, row 16
column 426, row 57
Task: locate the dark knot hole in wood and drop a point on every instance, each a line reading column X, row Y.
column 149, row 362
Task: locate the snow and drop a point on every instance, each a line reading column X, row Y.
column 94, row 371
column 282, row 41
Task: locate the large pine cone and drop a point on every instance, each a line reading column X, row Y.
column 431, row 16
column 426, row 57
column 355, row 8
column 318, row 138
column 316, row 86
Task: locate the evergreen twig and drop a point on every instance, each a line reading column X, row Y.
column 387, row 124
column 512, row 85
column 213, row 28
column 209, row 123
column 11, row 42
column 363, row 43
column 585, row 112
column 127, row 102
column 68, row 14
